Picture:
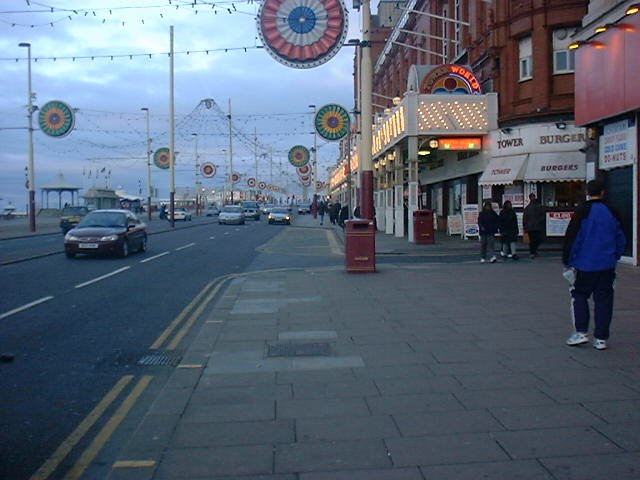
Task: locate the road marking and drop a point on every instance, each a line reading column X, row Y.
column 154, row 257
column 105, row 434
column 185, row 246
column 164, row 335
column 333, row 243
column 25, row 307
column 115, row 272
column 194, row 316
column 214, row 321
column 134, row 464
column 190, row 365
column 226, row 233
column 212, row 238
column 71, row 441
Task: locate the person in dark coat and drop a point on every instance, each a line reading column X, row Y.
column 593, row 244
column 508, row 224
column 488, row 227
column 533, row 224
column 335, row 212
column 344, row 215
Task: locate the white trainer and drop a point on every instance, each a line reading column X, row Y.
column 577, row 338
column 600, row 344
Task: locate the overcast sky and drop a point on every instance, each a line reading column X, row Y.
column 267, row 97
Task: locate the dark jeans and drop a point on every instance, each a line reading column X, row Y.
column 487, row 246
column 600, row 285
column 535, row 239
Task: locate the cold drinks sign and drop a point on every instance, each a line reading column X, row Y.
column 618, row 145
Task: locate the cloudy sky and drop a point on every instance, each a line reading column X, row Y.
column 108, row 59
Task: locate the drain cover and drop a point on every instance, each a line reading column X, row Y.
column 159, row 358
column 298, row 350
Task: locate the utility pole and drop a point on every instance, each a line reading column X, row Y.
column 255, row 157
column 30, row 173
column 195, row 135
column 149, row 192
column 230, row 153
column 172, row 155
column 366, row 93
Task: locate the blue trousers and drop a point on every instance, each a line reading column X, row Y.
column 601, row 286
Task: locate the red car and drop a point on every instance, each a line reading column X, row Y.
column 107, row 232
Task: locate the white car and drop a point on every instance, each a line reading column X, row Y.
column 180, row 214
column 231, row 214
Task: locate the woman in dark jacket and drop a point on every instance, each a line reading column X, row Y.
column 488, row 226
column 508, row 224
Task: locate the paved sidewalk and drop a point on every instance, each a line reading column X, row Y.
column 419, row 371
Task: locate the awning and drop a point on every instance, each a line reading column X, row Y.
column 555, row 167
column 503, row 170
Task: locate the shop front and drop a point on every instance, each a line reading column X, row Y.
column 546, row 159
column 608, row 106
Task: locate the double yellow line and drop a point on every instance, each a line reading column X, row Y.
column 189, row 315
column 90, row 453
column 171, row 336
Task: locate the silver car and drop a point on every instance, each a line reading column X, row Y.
column 231, row 214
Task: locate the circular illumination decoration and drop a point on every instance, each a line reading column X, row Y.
column 56, row 119
column 262, row 185
column 303, row 170
column 302, row 33
column 251, row 182
column 208, row 170
column 235, row 177
column 332, row 122
column 161, row 158
column 299, row 156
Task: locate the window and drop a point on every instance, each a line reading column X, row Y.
column 526, row 60
column 563, row 58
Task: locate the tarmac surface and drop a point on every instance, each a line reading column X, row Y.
column 422, row 370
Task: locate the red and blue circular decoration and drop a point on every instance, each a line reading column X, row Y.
column 332, row 122
column 235, row 177
column 251, row 182
column 299, row 156
column 302, row 33
column 208, row 170
column 56, row 119
column 161, row 158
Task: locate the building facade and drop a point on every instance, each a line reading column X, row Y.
column 517, row 50
column 608, row 105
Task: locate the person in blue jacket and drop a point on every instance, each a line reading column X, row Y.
column 593, row 244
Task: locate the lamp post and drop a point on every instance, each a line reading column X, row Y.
column 30, row 173
column 366, row 94
column 149, row 192
column 195, row 135
column 314, row 174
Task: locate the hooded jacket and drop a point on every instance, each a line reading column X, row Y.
column 594, row 240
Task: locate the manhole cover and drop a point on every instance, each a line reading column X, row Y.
column 298, row 350
column 159, row 358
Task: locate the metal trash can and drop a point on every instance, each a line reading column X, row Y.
column 360, row 245
column 423, row 232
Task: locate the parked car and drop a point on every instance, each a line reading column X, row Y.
column 180, row 214
column 304, row 208
column 211, row 211
column 231, row 214
column 107, row 232
column 251, row 210
column 280, row 215
column 71, row 216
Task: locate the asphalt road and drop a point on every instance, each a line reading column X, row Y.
column 78, row 327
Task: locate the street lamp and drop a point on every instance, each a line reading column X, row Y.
column 314, row 150
column 195, row 135
column 149, row 192
column 31, row 176
column 366, row 94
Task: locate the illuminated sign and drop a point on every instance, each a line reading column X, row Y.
column 460, row 143
column 450, row 79
column 392, row 128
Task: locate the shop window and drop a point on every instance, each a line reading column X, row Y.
column 526, row 59
column 563, row 58
column 562, row 194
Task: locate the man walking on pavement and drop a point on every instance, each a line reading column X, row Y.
column 322, row 209
column 533, row 224
column 594, row 242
